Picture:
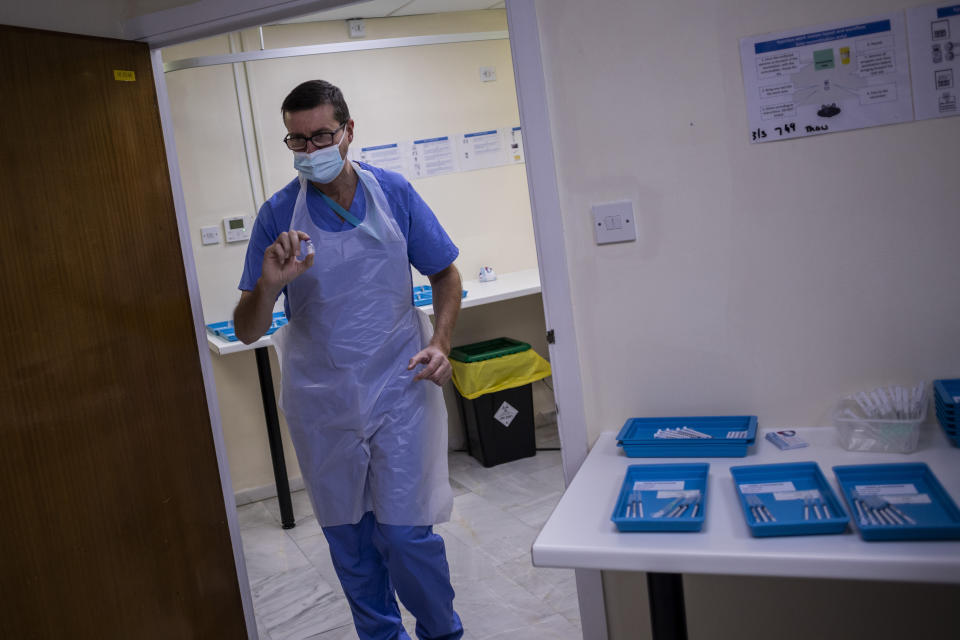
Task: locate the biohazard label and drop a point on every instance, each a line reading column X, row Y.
column 505, row 414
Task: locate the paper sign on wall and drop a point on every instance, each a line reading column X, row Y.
column 481, row 150
column 387, row 156
column 935, row 59
column 445, row 154
column 828, row 78
column 433, row 157
column 515, row 142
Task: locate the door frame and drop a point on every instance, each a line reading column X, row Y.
column 195, row 21
column 200, row 333
column 533, row 100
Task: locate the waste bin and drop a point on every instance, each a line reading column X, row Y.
column 493, row 381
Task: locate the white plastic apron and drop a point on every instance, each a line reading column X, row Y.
column 367, row 436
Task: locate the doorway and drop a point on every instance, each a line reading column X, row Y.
column 499, row 510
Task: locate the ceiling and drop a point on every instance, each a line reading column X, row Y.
column 164, row 22
column 394, row 8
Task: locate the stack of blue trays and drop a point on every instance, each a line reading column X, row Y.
column 423, row 295
column 947, row 398
column 730, row 437
column 225, row 331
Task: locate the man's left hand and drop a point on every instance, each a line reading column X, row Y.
column 436, row 367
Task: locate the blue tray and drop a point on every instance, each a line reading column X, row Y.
column 225, row 329
column 636, row 437
column 664, row 483
column 788, row 483
column 946, row 411
column 423, row 295
column 938, row 519
column 947, row 392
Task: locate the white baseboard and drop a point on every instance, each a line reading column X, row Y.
column 256, row 494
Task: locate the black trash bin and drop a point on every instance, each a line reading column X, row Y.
column 499, row 425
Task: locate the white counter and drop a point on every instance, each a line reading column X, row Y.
column 506, row 286
column 579, row 533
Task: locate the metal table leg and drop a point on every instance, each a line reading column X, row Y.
column 668, row 617
column 273, row 436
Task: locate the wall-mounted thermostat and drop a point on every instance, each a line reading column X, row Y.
column 236, row 228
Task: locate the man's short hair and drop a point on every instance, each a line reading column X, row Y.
column 314, row 93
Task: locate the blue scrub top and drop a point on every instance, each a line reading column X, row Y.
column 429, row 248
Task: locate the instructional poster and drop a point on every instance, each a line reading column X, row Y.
column 935, row 59
column 387, row 156
column 482, row 149
column 828, row 78
column 445, row 154
column 433, row 157
column 515, row 140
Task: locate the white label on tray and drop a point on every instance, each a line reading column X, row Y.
column 956, row 398
column 767, row 487
column 669, row 495
column 659, row 485
column 917, row 498
column 813, row 494
column 885, row 489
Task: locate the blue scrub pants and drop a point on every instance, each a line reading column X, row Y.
column 373, row 559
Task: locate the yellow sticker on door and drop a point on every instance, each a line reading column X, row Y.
column 122, row 75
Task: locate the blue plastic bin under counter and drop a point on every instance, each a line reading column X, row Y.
column 225, row 330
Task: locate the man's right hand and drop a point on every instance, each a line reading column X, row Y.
column 254, row 312
column 280, row 264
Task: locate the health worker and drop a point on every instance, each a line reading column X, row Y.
column 361, row 366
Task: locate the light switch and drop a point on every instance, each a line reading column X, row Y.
column 613, row 222
column 357, row 28
column 210, row 235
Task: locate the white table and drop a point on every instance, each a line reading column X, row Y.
column 580, row 535
column 506, row 286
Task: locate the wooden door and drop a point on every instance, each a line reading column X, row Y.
column 112, row 522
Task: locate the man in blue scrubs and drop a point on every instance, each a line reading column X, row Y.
column 361, row 365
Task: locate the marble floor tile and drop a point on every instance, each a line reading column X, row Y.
column 341, row 633
column 496, row 604
column 262, row 633
column 497, row 514
column 480, row 523
column 267, row 549
column 317, row 552
column 556, row 588
column 297, row 604
column 458, row 489
column 553, row 628
column 547, row 436
column 305, row 520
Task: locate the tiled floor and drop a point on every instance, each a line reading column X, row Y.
column 497, row 513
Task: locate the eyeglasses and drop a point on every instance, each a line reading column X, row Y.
column 320, row 139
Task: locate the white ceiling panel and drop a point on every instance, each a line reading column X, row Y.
column 442, row 6
column 390, row 8
column 372, row 9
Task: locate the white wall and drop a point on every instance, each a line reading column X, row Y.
column 767, row 279
column 393, row 94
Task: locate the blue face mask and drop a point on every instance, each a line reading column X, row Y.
column 322, row 165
